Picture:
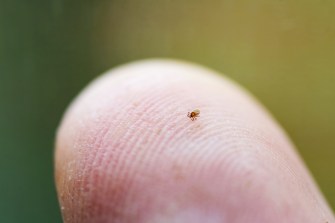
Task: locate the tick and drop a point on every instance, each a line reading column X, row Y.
column 194, row 114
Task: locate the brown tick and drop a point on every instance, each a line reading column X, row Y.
column 194, row 114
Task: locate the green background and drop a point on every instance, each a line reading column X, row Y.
column 283, row 51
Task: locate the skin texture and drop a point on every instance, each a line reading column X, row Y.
column 127, row 152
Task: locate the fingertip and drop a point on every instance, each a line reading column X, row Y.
column 126, row 151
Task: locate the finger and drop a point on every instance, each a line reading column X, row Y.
column 127, row 152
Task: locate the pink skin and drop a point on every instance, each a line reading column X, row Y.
column 125, row 152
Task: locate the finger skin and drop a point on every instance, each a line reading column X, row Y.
column 127, row 152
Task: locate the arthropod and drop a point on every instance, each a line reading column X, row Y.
column 194, row 114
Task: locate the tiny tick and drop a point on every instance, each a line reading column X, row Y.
column 194, row 114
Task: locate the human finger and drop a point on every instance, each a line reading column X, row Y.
column 127, row 152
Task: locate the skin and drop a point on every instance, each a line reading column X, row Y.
column 127, row 152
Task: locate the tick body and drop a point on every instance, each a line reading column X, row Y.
column 194, row 114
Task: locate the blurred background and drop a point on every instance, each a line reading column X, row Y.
column 283, row 51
